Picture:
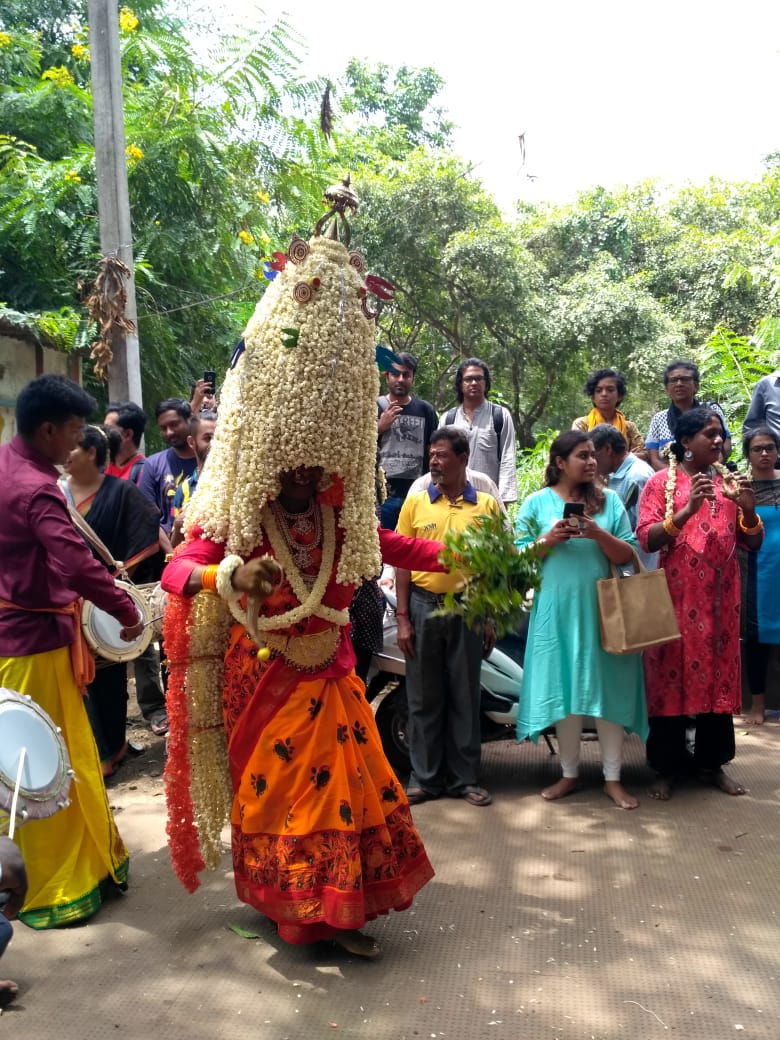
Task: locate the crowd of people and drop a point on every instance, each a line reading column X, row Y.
column 263, row 669
column 668, row 499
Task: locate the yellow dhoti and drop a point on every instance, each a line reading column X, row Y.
column 73, row 855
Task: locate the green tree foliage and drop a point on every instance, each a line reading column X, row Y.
column 218, row 160
column 389, row 114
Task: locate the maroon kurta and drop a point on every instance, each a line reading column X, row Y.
column 44, row 561
column 701, row 672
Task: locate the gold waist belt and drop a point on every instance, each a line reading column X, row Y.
column 307, row 653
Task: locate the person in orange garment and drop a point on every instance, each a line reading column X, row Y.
column 269, row 724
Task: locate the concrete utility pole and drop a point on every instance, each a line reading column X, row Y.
column 113, row 201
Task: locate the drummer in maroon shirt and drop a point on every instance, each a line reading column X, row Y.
column 45, row 568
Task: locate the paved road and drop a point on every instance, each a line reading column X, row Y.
column 573, row 921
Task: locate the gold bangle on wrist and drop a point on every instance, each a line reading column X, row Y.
column 671, row 528
column 757, row 526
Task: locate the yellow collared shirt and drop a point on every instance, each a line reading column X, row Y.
column 430, row 514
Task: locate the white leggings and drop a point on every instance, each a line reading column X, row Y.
column 611, row 735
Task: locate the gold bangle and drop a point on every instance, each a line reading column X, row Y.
column 758, row 526
column 671, row 528
column 208, row 580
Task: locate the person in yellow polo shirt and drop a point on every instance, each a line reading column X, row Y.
column 443, row 655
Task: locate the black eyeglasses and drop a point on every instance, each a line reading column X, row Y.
column 681, row 379
column 761, row 449
column 473, row 379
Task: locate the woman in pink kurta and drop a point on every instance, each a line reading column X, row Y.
column 698, row 675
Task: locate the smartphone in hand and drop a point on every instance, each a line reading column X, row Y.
column 210, row 379
column 572, row 511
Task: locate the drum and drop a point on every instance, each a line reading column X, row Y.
column 101, row 630
column 156, row 599
column 35, row 771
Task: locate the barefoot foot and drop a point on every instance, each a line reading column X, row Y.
column 566, row 785
column 661, row 788
column 358, row 944
column 619, row 795
column 754, row 718
column 720, row 779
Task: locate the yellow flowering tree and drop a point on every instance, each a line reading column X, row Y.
column 213, row 171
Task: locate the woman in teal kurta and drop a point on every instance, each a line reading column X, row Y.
column 567, row 673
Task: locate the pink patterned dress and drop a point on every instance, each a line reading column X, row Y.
column 699, row 673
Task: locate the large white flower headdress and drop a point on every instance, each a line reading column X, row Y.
column 301, row 393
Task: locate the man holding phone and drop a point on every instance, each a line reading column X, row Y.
column 203, row 393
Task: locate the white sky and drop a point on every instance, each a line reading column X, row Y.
column 606, row 92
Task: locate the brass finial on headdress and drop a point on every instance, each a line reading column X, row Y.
column 340, row 197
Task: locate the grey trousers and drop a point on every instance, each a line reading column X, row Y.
column 442, row 686
column 148, row 685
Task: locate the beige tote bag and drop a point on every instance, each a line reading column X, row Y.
column 635, row 609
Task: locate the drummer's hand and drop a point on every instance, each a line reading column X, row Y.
column 258, row 577
column 131, row 632
column 14, row 877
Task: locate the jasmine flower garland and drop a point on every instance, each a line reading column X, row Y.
column 308, row 405
column 731, row 486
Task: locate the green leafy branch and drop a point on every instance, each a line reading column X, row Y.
column 499, row 578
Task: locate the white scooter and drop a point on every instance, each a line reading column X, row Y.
column 501, row 678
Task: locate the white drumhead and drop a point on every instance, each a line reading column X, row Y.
column 20, row 728
column 28, row 735
column 101, row 630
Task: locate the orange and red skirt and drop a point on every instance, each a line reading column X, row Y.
column 322, row 834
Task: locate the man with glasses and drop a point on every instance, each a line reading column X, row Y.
column 488, row 428
column 681, row 380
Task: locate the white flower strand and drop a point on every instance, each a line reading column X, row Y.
column 284, row 407
column 210, row 784
column 227, row 568
column 310, row 603
column 731, row 486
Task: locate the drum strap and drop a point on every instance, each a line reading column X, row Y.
column 81, row 659
column 90, row 536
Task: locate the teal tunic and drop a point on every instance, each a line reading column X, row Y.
column 566, row 672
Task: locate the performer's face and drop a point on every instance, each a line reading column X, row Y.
column 301, row 483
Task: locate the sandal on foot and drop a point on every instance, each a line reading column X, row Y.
column 475, row 795
column 416, row 796
column 158, row 722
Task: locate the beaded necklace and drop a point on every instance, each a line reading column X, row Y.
column 302, row 534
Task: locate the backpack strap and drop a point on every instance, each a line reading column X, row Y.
column 498, row 425
column 135, row 471
column 449, row 418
